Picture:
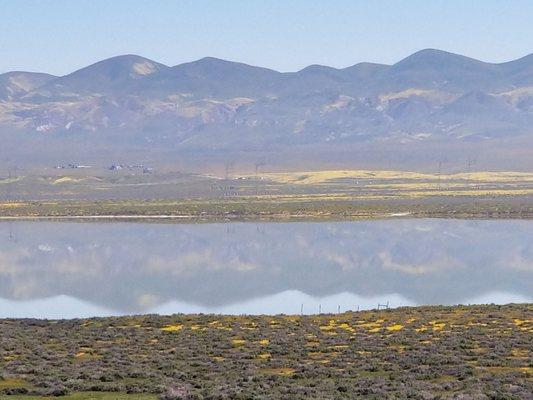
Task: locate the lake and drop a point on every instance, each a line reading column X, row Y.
column 78, row 269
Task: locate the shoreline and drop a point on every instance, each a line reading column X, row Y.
column 191, row 219
column 272, row 210
column 527, row 304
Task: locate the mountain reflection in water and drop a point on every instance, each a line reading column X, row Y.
column 56, row 269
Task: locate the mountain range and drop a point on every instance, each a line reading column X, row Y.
column 430, row 107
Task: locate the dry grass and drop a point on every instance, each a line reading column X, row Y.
column 314, row 177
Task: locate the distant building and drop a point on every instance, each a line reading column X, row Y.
column 72, row 166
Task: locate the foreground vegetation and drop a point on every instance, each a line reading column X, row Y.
column 474, row 352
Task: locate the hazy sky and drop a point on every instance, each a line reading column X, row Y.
column 59, row 36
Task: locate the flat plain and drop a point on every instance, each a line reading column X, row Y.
column 314, row 195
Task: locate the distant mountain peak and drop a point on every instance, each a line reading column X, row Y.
column 435, row 57
column 115, row 67
column 218, row 65
column 112, row 74
column 17, row 83
column 431, row 52
column 214, row 60
column 317, row 68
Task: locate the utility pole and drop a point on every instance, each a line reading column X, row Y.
column 11, row 237
column 469, row 164
column 227, row 169
column 257, row 165
column 228, row 165
column 8, row 185
column 438, row 174
column 11, row 177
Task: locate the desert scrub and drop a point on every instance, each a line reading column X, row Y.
column 421, row 352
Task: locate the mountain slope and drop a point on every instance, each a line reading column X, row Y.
column 432, row 69
column 114, row 75
column 429, row 103
column 16, row 84
column 212, row 77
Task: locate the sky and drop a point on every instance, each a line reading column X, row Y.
column 60, row 36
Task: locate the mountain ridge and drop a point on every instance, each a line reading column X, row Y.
column 211, row 107
column 527, row 57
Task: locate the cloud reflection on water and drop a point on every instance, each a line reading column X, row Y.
column 133, row 268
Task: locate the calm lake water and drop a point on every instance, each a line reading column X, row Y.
column 68, row 270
